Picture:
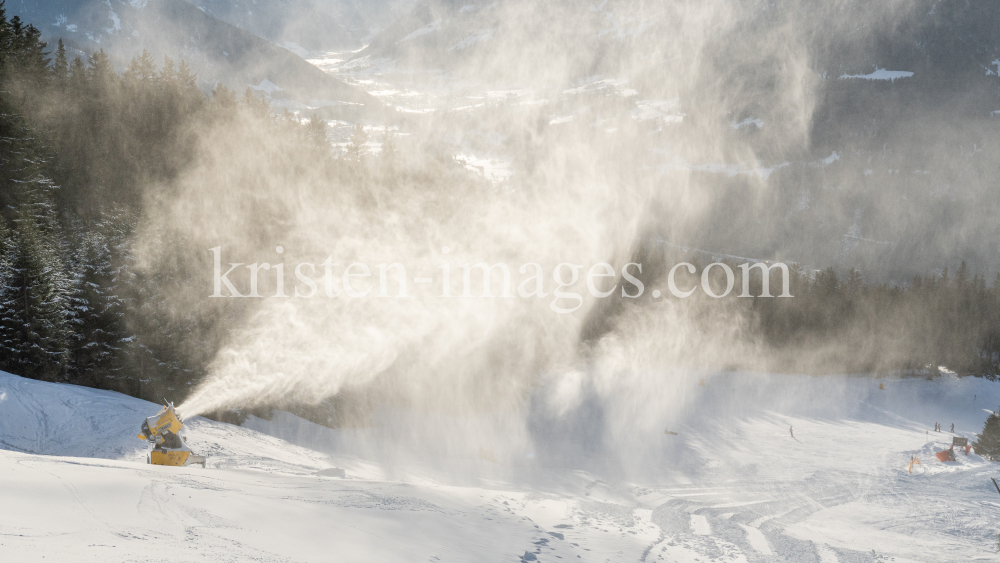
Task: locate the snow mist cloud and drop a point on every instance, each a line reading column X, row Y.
column 593, row 181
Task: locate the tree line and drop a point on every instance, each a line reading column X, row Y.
column 840, row 324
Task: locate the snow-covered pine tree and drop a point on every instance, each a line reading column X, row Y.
column 34, row 283
column 987, row 444
column 96, row 314
column 9, row 298
column 38, row 295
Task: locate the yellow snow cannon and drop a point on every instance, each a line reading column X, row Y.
column 163, row 431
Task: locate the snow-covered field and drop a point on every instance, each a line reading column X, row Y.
column 74, row 485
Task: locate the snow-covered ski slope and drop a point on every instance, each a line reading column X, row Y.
column 74, row 485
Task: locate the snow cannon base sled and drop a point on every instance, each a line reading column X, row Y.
column 163, row 431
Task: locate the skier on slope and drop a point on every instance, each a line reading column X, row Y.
column 790, row 433
column 952, row 427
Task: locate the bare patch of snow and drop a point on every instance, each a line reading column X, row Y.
column 267, row 86
column 757, row 540
column 296, row 48
column 756, row 122
column 429, row 28
column 733, row 169
column 700, row 525
column 494, row 170
column 116, row 22
column 881, row 74
column 662, row 110
column 480, row 36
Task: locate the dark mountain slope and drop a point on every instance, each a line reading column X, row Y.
column 217, row 51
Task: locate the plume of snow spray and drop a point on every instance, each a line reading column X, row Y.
column 575, row 197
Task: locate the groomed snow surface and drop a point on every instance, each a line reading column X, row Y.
column 74, row 485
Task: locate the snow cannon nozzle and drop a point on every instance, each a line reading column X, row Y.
column 169, row 406
column 163, row 430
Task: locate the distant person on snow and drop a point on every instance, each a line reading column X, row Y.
column 790, row 433
column 952, row 427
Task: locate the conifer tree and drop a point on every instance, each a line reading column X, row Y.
column 141, row 69
column 187, row 84
column 316, row 132
column 389, row 152
column 987, row 444
column 77, row 74
column 5, row 37
column 97, row 327
column 256, row 105
column 961, row 276
column 356, row 148
column 223, row 98
column 826, row 282
column 168, row 76
column 100, row 72
column 60, row 66
column 10, row 301
column 854, row 283
column 38, row 299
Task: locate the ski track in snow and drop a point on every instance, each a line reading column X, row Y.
column 76, row 486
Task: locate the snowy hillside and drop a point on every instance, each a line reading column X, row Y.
column 731, row 485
